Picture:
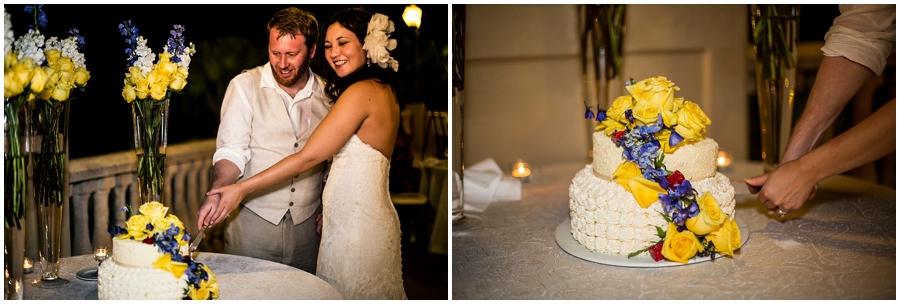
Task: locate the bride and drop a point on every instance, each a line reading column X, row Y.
column 360, row 250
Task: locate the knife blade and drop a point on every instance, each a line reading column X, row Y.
column 196, row 241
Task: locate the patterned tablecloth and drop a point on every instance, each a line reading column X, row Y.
column 841, row 245
column 240, row 278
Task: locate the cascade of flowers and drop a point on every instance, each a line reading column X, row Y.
column 647, row 124
column 39, row 73
column 153, row 227
column 148, row 87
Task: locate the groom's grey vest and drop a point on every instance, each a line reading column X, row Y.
column 272, row 139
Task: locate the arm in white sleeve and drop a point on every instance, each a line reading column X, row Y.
column 233, row 139
column 865, row 34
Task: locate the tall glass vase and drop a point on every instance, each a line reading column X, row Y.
column 775, row 44
column 150, row 118
column 16, row 128
column 601, row 53
column 50, row 144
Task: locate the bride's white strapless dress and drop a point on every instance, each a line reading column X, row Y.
column 360, row 250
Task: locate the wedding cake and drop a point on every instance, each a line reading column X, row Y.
column 150, row 261
column 652, row 188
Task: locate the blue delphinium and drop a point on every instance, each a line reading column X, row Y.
column 195, row 273
column 175, row 43
column 40, row 18
column 601, row 115
column 131, row 35
column 115, row 230
column 675, row 139
column 168, row 244
column 79, row 40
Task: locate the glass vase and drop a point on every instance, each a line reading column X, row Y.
column 602, row 30
column 16, row 128
column 50, row 154
column 774, row 29
column 150, row 118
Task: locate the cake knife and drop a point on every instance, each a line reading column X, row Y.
column 197, row 240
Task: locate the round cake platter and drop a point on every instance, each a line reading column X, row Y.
column 89, row 274
column 565, row 241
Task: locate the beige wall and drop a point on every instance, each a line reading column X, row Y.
column 523, row 96
column 523, row 93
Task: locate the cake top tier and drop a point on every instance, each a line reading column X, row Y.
column 652, row 109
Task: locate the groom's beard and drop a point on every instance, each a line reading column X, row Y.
column 288, row 82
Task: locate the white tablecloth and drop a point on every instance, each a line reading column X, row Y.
column 239, row 277
column 841, row 245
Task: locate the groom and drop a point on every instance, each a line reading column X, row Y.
column 269, row 113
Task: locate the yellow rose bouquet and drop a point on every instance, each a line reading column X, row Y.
column 648, row 123
column 153, row 227
column 39, row 74
column 148, row 87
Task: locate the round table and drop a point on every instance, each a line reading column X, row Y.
column 239, row 277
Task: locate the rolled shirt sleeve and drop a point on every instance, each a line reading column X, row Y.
column 233, row 140
column 864, row 34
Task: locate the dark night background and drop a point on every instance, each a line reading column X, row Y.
column 228, row 38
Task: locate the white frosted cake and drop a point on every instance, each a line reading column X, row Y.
column 150, row 261
column 129, row 274
column 652, row 188
column 607, row 219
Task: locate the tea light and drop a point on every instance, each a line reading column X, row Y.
column 723, row 159
column 520, row 170
column 28, row 266
column 100, row 254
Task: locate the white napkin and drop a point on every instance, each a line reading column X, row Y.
column 484, row 183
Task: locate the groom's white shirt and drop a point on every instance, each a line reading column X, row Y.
column 260, row 125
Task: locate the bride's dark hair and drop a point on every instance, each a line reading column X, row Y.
column 356, row 20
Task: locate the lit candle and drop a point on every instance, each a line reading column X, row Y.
column 100, row 254
column 28, row 266
column 521, row 170
column 723, row 159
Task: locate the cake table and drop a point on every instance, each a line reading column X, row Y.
column 239, row 277
column 841, row 245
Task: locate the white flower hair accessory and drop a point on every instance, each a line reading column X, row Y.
column 377, row 43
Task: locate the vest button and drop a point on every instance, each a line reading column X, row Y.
column 293, row 189
column 296, row 145
column 291, row 204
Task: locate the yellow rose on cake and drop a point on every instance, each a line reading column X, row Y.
column 727, row 239
column 154, row 210
column 710, row 217
column 680, row 246
column 657, row 93
column 615, row 117
column 136, row 226
column 692, row 122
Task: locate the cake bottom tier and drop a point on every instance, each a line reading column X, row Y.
column 117, row 282
column 607, row 219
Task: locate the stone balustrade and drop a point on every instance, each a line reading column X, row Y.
column 99, row 186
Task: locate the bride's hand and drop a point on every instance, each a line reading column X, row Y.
column 231, row 197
